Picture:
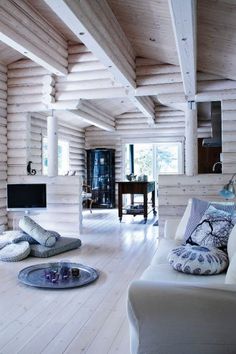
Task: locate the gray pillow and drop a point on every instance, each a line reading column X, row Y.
column 44, row 237
column 25, row 237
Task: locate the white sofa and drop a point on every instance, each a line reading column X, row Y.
column 175, row 313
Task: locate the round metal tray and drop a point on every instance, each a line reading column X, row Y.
column 35, row 276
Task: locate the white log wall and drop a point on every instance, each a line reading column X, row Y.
column 64, row 205
column 30, row 87
column 175, row 191
column 3, row 145
column 228, row 156
column 74, row 135
column 87, row 77
column 18, row 143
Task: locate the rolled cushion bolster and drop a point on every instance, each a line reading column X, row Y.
column 44, row 237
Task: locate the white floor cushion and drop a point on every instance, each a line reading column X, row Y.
column 15, row 252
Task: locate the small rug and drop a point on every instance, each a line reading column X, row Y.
column 156, row 223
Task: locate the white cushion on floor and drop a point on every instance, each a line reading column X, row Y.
column 15, row 252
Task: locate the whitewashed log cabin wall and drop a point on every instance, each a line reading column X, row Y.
column 87, row 78
column 30, row 87
column 25, row 144
column 3, row 145
column 30, row 90
column 228, row 156
column 176, row 190
column 73, row 135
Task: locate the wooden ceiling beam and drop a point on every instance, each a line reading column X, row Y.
column 95, row 25
column 183, row 14
column 22, row 29
column 87, row 112
column 146, row 106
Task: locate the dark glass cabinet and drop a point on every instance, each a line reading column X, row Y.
column 101, row 176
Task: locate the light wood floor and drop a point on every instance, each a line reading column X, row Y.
column 91, row 319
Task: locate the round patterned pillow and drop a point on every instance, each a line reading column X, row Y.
column 198, row 260
column 15, row 252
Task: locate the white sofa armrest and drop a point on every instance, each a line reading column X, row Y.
column 180, row 318
column 170, row 227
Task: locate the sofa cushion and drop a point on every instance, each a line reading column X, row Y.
column 198, row 208
column 164, row 247
column 180, row 231
column 165, row 273
column 198, row 260
column 231, row 271
column 231, row 245
column 213, row 229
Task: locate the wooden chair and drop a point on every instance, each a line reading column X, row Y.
column 87, row 195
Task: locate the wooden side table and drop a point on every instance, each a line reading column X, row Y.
column 136, row 188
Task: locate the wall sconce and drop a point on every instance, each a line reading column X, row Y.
column 228, row 191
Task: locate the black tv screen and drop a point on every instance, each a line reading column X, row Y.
column 26, row 196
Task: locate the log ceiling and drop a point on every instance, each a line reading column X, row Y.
column 120, row 55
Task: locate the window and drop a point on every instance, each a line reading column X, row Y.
column 143, row 160
column 155, row 159
column 63, row 157
column 168, row 158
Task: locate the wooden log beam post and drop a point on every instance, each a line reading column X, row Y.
column 94, row 23
column 146, row 106
column 191, row 142
column 23, row 29
column 52, row 134
column 91, row 114
column 183, row 14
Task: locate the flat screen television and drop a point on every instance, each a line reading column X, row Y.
column 26, row 197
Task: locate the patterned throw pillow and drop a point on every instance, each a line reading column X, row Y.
column 213, row 230
column 198, row 260
column 198, row 209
